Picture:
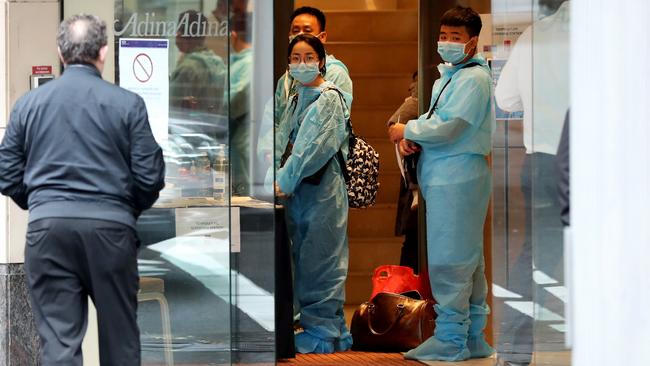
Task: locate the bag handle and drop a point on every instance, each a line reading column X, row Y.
column 371, row 309
column 435, row 105
column 352, row 138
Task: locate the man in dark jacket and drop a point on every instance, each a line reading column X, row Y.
column 563, row 164
column 80, row 156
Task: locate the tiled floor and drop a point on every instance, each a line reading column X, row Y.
column 479, row 362
column 352, row 359
column 396, row 359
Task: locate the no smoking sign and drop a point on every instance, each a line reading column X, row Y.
column 142, row 67
column 144, row 70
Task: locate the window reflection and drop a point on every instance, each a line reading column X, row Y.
column 532, row 92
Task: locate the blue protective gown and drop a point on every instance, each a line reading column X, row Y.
column 336, row 72
column 241, row 73
column 317, row 215
column 198, row 82
column 455, row 181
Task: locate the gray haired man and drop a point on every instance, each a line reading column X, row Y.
column 80, row 156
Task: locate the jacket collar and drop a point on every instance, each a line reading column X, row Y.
column 82, row 69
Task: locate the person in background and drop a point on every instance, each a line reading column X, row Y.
column 199, row 79
column 455, row 137
column 80, row 156
column 407, row 214
column 310, row 181
column 308, row 20
column 241, row 73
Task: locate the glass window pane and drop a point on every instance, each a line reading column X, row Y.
column 530, row 66
column 207, row 251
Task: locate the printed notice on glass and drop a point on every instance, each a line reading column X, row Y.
column 144, row 70
column 217, row 223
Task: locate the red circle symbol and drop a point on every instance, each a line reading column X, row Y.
column 142, row 67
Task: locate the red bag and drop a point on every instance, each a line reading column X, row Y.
column 399, row 279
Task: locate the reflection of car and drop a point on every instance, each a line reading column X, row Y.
column 209, row 124
column 190, row 151
column 202, row 143
column 188, row 171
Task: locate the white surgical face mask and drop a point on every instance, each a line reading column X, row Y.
column 304, row 73
column 291, row 37
column 452, row 52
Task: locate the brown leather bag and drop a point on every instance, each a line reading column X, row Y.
column 393, row 322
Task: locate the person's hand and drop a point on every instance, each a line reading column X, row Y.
column 278, row 191
column 407, row 148
column 396, row 132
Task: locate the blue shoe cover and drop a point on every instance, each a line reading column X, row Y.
column 435, row 350
column 307, row 343
column 479, row 348
column 344, row 343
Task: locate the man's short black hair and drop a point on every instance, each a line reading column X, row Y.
column 463, row 17
column 240, row 24
column 320, row 16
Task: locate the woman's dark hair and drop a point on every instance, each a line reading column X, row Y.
column 312, row 41
column 460, row 16
column 311, row 11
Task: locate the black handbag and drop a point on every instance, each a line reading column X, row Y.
column 392, row 322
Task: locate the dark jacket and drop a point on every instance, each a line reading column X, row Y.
column 563, row 169
column 81, row 147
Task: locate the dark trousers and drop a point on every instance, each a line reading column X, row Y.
column 542, row 248
column 67, row 260
column 406, row 224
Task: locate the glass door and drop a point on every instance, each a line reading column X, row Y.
column 530, row 68
column 206, row 258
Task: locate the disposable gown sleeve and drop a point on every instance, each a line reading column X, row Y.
column 281, row 98
column 180, row 84
column 239, row 94
column 340, row 77
column 319, row 138
column 465, row 107
column 12, row 161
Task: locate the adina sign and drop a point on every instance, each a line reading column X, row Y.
column 146, row 26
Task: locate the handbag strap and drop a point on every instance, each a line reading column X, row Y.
column 352, row 138
column 289, row 148
column 435, row 104
column 371, row 307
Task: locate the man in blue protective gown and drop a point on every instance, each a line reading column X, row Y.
column 197, row 83
column 241, row 77
column 455, row 180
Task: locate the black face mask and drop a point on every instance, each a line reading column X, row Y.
column 549, row 7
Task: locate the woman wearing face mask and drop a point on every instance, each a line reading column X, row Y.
column 309, row 179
